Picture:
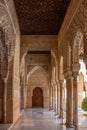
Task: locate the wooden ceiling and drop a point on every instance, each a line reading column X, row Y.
column 40, row 17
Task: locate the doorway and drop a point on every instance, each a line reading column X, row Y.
column 37, row 98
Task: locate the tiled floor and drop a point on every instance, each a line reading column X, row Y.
column 4, row 126
column 38, row 119
column 43, row 119
column 82, row 121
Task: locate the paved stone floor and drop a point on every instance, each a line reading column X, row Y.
column 38, row 119
column 82, row 120
column 4, row 126
column 43, row 119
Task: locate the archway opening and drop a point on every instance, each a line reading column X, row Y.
column 37, row 98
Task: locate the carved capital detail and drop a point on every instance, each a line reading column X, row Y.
column 75, row 67
column 75, row 74
column 68, row 74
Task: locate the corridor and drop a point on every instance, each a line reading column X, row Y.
column 38, row 119
column 42, row 119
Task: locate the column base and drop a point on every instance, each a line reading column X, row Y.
column 55, row 114
column 69, row 125
column 50, row 109
column 75, row 127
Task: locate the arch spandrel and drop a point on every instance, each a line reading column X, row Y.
column 35, row 68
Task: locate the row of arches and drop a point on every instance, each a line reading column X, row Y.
column 66, row 93
column 72, row 51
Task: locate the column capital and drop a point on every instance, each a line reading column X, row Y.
column 75, row 73
column 68, row 74
column 85, row 84
column 85, row 59
column 85, row 47
column 75, row 67
column 53, row 83
column 61, row 81
column 57, row 81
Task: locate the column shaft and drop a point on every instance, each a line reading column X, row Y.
column 75, row 102
column 61, row 99
column 69, row 102
column 1, row 100
column 5, row 100
column 58, row 98
column 49, row 98
column 52, row 97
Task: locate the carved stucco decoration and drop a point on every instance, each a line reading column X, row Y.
column 76, row 31
column 3, row 55
column 45, row 67
column 5, row 24
column 32, row 68
column 78, row 25
column 54, row 53
column 2, row 1
column 40, row 67
column 78, row 39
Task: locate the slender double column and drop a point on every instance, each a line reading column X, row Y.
column 69, row 100
column 61, row 98
column 5, row 100
column 75, row 100
column 58, row 98
column 85, row 89
column 54, row 97
column 75, row 72
column 50, row 98
column 1, row 99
